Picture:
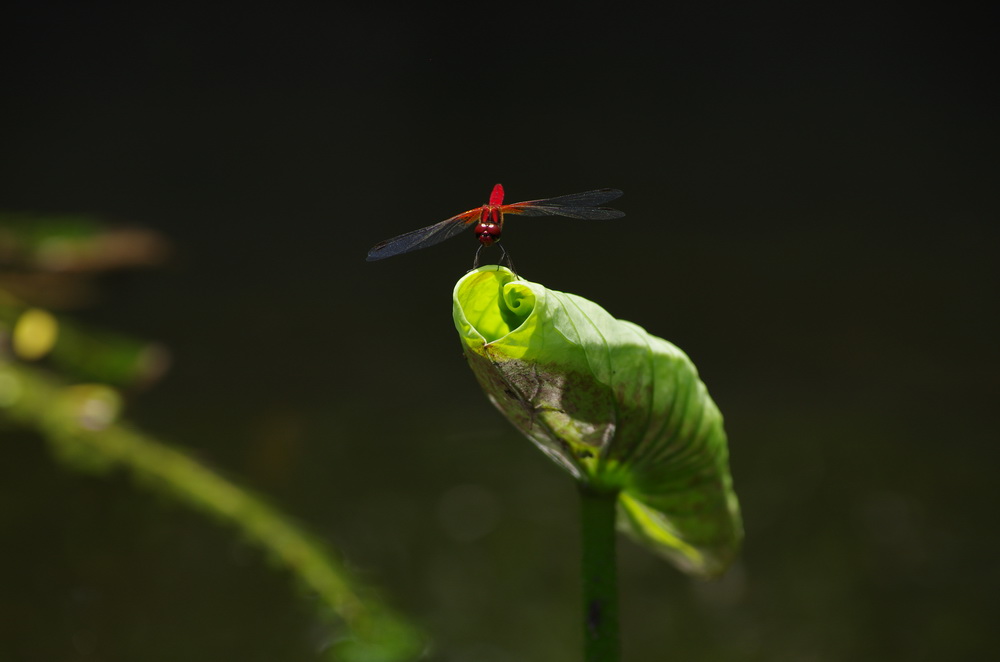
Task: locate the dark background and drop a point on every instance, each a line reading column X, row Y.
column 810, row 215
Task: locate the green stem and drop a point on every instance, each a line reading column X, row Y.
column 37, row 401
column 600, row 576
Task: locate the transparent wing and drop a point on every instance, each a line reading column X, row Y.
column 424, row 237
column 577, row 205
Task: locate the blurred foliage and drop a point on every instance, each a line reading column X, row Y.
column 61, row 379
column 76, row 244
column 53, row 260
column 79, row 351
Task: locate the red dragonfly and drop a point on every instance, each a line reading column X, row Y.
column 488, row 219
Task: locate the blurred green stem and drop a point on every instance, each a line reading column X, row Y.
column 57, row 411
column 600, row 575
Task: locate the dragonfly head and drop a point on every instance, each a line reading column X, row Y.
column 490, row 224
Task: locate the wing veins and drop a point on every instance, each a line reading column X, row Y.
column 594, row 198
column 585, row 213
column 428, row 236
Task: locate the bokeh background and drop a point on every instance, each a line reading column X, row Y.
column 811, row 215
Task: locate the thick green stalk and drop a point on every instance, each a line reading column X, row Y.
column 600, row 575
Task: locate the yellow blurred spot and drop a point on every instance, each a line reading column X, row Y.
column 34, row 334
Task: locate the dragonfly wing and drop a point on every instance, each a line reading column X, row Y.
column 577, row 205
column 424, row 237
column 588, row 213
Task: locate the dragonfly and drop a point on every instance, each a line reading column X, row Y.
column 487, row 220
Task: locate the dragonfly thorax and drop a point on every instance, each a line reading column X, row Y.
column 490, row 225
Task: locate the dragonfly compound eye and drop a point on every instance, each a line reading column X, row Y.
column 488, row 233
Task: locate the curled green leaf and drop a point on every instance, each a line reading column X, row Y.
column 620, row 409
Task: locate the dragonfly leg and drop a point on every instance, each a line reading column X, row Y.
column 475, row 263
column 505, row 256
